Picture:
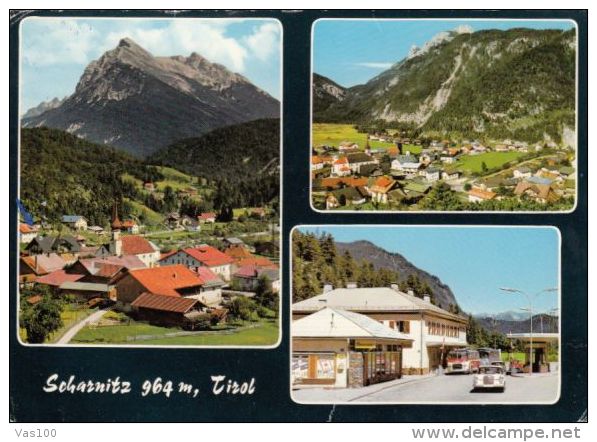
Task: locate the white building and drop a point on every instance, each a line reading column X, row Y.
column 433, row 330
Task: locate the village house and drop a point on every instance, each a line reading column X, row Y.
column 62, row 245
column 348, row 146
column 408, row 164
column 357, row 160
column 450, row 175
column 380, row 188
column 247, row 278
column 130, row 226
column 98, row 230
column 346, row 196
column 32, row 267
column 522, row 172
column 340, row 167
column 201, row 256
column 135, row 245
column 211, row 294
column 447, row 159
column 476, row 195
column 414, row 191
column 26, row 233
column 370, row 170
column 540, row 192
column 207, row 217
column 431, row 174
column 169, row 311
column 433, row 330
column 232, row 241
column 340, row 348
column 176, row 281
column 337, row 183
column 75, row 222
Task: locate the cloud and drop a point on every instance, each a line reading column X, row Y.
column 53, row 42
column 57, row 41
column 375, row 65
column 264, row 41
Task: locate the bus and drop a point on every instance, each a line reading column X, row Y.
column 463, row 360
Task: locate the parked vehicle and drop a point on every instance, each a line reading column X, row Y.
column 489, row 355
column 463, row 360
column 490, row 376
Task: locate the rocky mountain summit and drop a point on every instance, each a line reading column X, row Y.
column 137, row 102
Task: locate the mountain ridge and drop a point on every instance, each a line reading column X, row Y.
column 518, row 83
column 381, row 258
column 139, row 103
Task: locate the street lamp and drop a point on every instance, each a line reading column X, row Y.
column 530, row 310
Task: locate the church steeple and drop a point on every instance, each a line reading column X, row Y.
column 116, row 223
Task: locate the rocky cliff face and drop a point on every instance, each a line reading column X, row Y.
column 381, row 258
column 137, row 102
column 326, row 92
column 517, row 84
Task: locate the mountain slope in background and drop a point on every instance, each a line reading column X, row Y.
column 541, row 324
column 381, row 258
column 326, row 92
column 246, row 150
column 137, row 102
column 518, row 84
column 63, row 174
column 43, row 107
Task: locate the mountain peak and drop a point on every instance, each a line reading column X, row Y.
column 126, row 42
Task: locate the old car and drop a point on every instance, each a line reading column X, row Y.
column 490, row 376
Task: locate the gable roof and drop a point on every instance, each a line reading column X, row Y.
column 208, row 255
column 26, row 228
column 164, row 303
column 45, row 263
column 166, row 280
column 480, row 193
column 136, row 245
column 259, row 261
column 238, row 252
column 57, row 277
column 407, row 159
column 206, row 216
column 209, row 277
column 360, row 157
column 374, row 299
column 337, row 323
column 50, row 243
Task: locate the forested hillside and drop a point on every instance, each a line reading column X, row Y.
column 517, row 84
column 63, row 174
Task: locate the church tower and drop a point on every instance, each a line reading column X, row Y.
column 116, row 242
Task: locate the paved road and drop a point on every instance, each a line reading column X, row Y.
column 71, row 332
column 440, row 389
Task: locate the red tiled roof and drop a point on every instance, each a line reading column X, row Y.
column 45, row 263
column 207, row 275
column 135, row 245
column 480, row 193
column 128, row 223
column 166, row 280
column 341, row 160
column 57, row 277
column 238, row 252
column 247, row 271
column 384, row 181
column 164, row 303
column 208, row 255
column 34, row 299
column 257, row 261
column 35, row 266
column 349, row 181
column 206, row 216
column 25, row 228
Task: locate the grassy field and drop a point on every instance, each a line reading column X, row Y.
column 150, row 217
column 334, row 134
column 263, row 333
column 70, row 316
column 473, row 163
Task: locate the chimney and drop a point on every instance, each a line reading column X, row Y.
column 327, row 288
column 351, row 285
column 410, row 293
column 426, row 298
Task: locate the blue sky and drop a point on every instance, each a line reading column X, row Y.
column 474, row 262
column 351, row 52
column 55, row 51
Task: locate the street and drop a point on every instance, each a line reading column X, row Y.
column 539, row 388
